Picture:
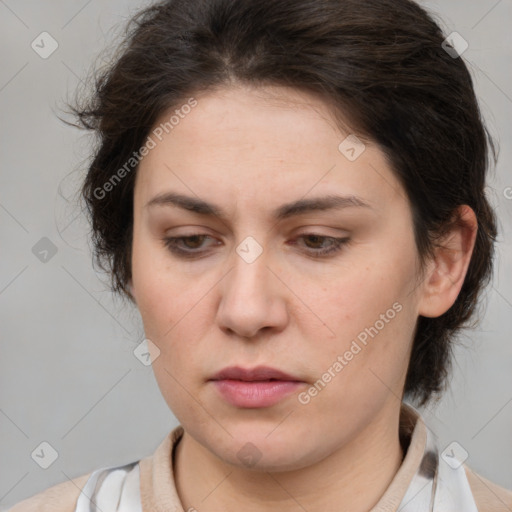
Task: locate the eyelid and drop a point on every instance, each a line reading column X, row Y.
column 336, row 246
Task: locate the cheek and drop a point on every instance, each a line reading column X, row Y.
column 355, row 301
column 171, row 306
column 370, row 315
column 163, row 296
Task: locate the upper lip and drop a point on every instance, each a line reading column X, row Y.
column 252, row 374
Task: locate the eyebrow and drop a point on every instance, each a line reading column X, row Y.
column 301, row 206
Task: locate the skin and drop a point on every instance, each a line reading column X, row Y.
column 250, row 150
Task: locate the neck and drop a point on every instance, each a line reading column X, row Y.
column 338, row 482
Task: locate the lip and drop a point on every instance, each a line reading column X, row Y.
column 258, row 387
column 253, row 374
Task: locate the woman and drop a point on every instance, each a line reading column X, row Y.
column 292, row 194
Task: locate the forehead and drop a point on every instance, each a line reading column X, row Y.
column 258, row 143
column 251, row 117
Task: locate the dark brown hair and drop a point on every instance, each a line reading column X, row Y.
column 382, row 67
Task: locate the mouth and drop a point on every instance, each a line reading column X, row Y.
column 254, row 388
column 258, row 374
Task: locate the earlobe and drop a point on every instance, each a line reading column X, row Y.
column 447, row 272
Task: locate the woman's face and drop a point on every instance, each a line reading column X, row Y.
column 252, row 288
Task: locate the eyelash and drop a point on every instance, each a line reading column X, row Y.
column 171, row 243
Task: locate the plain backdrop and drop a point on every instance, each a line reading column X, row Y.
column 68, row 374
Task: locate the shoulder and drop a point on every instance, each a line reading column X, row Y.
column 489, row 497
column 59, row 498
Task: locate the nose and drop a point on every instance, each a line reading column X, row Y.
column 253, row 295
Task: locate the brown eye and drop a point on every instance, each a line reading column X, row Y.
column 316, row 247
column 185, row 246
column 191, row 242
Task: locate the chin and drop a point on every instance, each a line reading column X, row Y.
column 269, row 459
column 253, row 448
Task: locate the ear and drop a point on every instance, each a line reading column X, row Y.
column 448, row 268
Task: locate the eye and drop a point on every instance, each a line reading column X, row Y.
column 189, row 246
column 319, row 248
column 192, row 243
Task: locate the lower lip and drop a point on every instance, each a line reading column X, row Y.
column 254, row 394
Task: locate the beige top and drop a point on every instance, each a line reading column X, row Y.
column 158, row 490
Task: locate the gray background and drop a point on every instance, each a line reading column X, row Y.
column 68, row 375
